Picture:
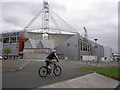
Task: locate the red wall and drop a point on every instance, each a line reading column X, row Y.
column 21, row 44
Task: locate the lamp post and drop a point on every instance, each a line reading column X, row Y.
column 95, row 42
column 95, row 47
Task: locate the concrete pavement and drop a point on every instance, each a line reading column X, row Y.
column 29, row 77
column 13, row 65
column 16, row 65
column 93, row 80
column 100, row 64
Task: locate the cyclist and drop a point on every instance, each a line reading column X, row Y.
column 50, row 57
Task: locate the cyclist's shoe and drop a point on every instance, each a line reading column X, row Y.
column 49, row 67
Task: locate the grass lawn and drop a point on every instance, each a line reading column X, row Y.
column 113, row 72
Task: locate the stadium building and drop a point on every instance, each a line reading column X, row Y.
column 37, row 42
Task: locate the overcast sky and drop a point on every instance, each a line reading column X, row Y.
column 100, row 17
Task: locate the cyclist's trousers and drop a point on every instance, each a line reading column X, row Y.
column 48, row 61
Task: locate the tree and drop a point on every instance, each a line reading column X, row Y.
column 7, row 51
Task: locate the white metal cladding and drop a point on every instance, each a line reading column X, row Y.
column 27, row 44
column 89, row 58
column 35, row 36
column 33, row 43
column 59, row 38
column 69, row 48
column 36, row 53
column 48, row 43
column 30, row 43
column 108, row 53
column 39, row 45
column 41, row 50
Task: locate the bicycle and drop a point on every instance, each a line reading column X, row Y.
column 44, row 71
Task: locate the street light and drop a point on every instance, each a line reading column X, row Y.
column 95, row 42
column 95, row 39
column 95, row 46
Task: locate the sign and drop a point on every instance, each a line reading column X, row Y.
column 35, row 51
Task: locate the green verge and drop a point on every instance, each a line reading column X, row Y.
column 113, row 72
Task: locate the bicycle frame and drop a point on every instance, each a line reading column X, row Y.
column 52, row 65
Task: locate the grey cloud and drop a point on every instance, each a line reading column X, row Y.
column 34, row 8
column 57, row 6
column 97, row 19
column 17, row 13
column 107, row 39
column 12, row 20
column 110, row 40
column 27, row 7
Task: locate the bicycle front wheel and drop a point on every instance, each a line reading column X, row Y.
column 43, row 71
column 57, row 70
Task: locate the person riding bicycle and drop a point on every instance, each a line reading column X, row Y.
column 50, row 57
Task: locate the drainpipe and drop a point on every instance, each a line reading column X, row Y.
column 78, row 47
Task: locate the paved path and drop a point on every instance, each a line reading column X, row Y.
column 28, row 77
column 100, row 64
column 72, row 76
column 13, row 65
column 93, row 80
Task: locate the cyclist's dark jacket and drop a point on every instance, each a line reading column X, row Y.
column 52, row 55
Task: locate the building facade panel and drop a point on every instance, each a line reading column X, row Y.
column 35, row 36
column 59, row 38
column 69, row 48
column 36, row 53
column 108, row 53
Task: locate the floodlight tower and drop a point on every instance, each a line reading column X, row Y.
column 85, row 33
column 45, row 19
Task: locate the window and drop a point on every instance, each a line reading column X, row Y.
column 81, row 44
column 6, row 40
column 89, row 47
column 13, row 39
column 84, row 46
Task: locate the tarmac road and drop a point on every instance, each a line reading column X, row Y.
column 28, row 77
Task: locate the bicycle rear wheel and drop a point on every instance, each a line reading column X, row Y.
column 43, row 71
column 57, row 70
